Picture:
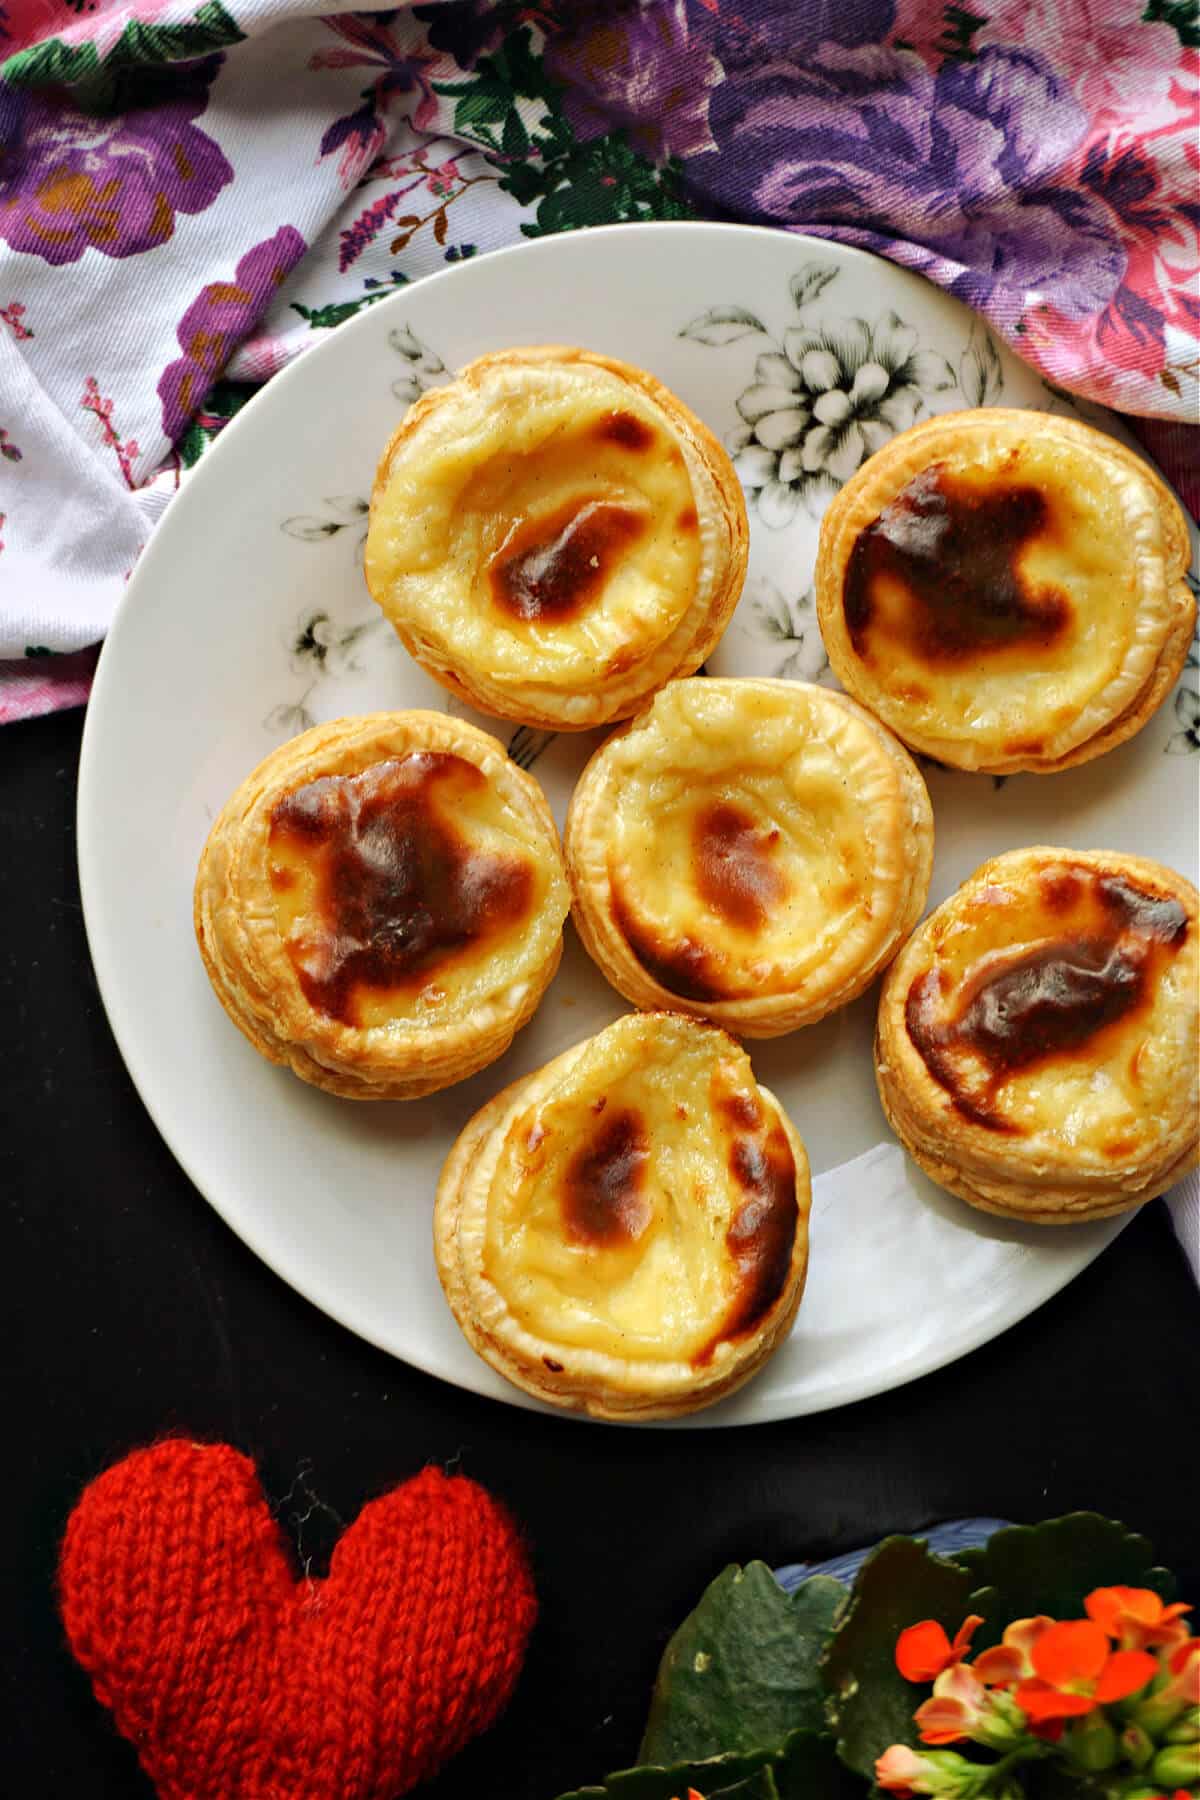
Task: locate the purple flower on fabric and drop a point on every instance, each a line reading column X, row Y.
column 647, row 70
column 70, row 181
column 962, row 163
column 757, row 28
column 217, row 320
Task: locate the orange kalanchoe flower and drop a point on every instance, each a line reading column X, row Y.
column 1184, row 1664
column 924, row 1650
column 1076, row 1670
column 1136, row 1617
column 1011, row 1660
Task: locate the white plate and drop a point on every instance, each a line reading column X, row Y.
column 247, row 619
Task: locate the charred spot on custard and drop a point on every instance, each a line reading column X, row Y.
column 282, row 879
column 733, row 867
column 688, row 520
column 399, row 891
column 954, row 548
column 603, row 1198
column 742, row 1110
column 1051, row 1002
column 1061, row 889
column 761, row 1238
column 684, row 968
column 625, row 429
column 550, row 568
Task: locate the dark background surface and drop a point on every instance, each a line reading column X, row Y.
column 132, row 1310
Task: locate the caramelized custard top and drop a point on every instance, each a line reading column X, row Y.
column 953, row 550
column 1048, row 1001
column 400, row 891
column 548, row 570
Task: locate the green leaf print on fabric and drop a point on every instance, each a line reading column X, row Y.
column 1183, row 16
column 323, row 318
column 603, row 183
column 224, row 400
column 514, row 111
column 489, row 110
column 124, row 78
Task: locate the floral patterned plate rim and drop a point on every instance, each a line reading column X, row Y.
column 247, row 619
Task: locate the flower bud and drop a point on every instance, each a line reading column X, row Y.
column 1137, row 1747
column 1092, row 1744
column 938, row 1772
column 1186, row 1730
column 1177, row 1766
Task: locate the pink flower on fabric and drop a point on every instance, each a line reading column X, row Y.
column 1122, row 68
column 1149, row 331
column 70, row 181
column 220, row 316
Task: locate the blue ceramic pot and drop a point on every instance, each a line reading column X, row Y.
column 957, row 1534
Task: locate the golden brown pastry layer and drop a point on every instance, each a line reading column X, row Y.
column 1006, row 590
column 625, row 1232
column 1037, row 1043
column 554, row 535
column 380, row 904
column 750, row 851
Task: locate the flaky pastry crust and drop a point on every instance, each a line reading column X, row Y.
column 750, row 851
column 625, row 1232
column 1005, row 589
column 379, row 905
column 554, row 535
column 1036, row 1050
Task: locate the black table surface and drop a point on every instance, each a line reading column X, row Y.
column 132, row 1310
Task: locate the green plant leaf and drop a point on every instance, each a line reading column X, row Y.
column 759, row 1786
column 1052, row 1567
column 871, row 1704
column 809, row 1768
column 743, row 1668
column 806, row 1768
column 709, row 1776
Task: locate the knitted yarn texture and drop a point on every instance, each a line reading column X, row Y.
column 238, row 1681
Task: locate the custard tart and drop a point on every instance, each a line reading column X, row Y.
column 625, row 1232
column 1006, row 590
column 554, row 535
column 751, row 851
column 1037, row 1045
column 380, row 904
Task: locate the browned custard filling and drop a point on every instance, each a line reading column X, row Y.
column 940, row 573
column 604, row 1193
column 762, row 1234
column 381, row 893
column 1076, row 993
column 654, row 1219
column 734, row 869
column 551, row 569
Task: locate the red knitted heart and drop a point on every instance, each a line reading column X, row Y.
column 236, row 1681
